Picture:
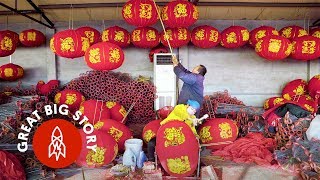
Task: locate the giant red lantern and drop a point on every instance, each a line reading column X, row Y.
column 140, row 13
column 116, row 35
column 179, row 13
column 294, row 88
column 315, row 32
column 92, row 34
column 177, row 149
column 273, row 47
column 11, row 72
column 104, row 56
column 117, row 111
column 314, row 87
column 205, row 36
column 220, row 131
column 177, row 37
column 94, row 110
column 32, row 38
column 234, row 37
column 106, row 150
column 305, row 48
column 291, row 32
column 150, row 130
column 261, row 32
column 273, row 101
column 145, row 37
column 72, row 98
column 8, row 43
column 69, row 44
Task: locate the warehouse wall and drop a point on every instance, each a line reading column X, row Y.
column 240, row 71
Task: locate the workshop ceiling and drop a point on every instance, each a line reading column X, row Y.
column 88, row 10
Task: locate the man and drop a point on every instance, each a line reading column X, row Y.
column 192, row 82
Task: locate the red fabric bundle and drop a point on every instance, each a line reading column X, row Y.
column 10, row 167
column 252, row 148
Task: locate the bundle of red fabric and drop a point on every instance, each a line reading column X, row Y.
column 10, row 167
column 252, row 148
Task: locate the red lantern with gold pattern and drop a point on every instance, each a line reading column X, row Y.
column 155, row 50
column 205, row 36
column 294, row 88
column 106, row 150
column 145, row 37
column 273, row 47
column 11, row 72
column 69, row 44
column 72, row 98
column 234, row 37
column 177, row 37
column 177, row 149
column 305, row 48
column 116, row 35
column 117, row 130
column 314, row 86
column 8, row 43
column 179, row 13
column 307, row 103
column 32, row 38
column 261, row 32
column 92, row 34
column 94, row 110
column 104, row 56
column 150, row 130
column 291, row 32
column 315, row 32
column 117, row 111
column 273, row 101
column 15, row 36
column 220, row 131
column 140, row 13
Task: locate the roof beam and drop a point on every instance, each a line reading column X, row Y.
column 41, row 13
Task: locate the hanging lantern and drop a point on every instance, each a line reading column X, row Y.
column 234, row 37
column 117, row 130
column 11, row 72
column 179, row 13
column 294, row 88
column 177, row 149
column 305, row 48
column 315, row 32
column 140, row 13
column 145, row 37
column 116, row 35
column 32, row 38
column 94, row 110
column 291, row 32
column 314, row 87
column 72, row 98
column 221, row 131
column 159, row 49
column 177, row 37
column 261, row 32
column 8, row 43
column 117, row 111
column 104, row 56
column 69, row 44
column 150, row 130
column 205, row 36
column 92, row 34
column 273, row 101
column 106, row 150
column 273, row 47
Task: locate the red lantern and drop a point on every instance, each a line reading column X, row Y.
column 273, row 47
column 307, row 103
column 158, row 49
column 273, row 101
column 69, row 44
column 291, row 32
column 72, row 98
column 150, row 130
column 140, row 13
column 106, row 150
column 261, row 32
column 177, row 37
column 116, row 35
column 117, row 130
column 10, row 167
column 218, row 130
column 32, row 38
column 164, row 112
column 205, row 36
column 14, row 34
column 294, row 88
column 92, row 34
column 315, row 32
column 234, row 37
column 179, row 13
column 94, row 110
column 314, row 86
column 8, row 43
column 145, row 37
column 117, row 111
column 104, row 56
column 177, row 149
column 11, row 72
column 305, row 48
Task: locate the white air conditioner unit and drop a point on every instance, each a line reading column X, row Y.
column 165, row 80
